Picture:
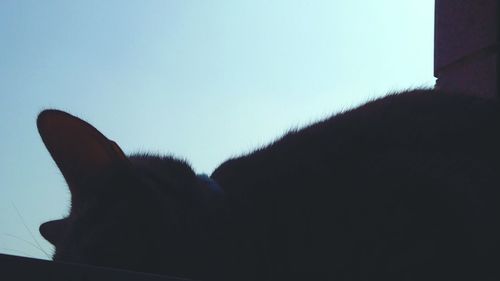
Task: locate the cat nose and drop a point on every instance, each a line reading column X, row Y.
column 52, row 230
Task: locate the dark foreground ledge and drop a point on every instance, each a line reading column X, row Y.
column 24, row 269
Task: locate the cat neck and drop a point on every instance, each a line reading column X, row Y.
column 211, row 184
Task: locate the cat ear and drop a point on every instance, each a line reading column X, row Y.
column 79, row 150
column 52, row 230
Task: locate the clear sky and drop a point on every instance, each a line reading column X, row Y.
column 203, row 80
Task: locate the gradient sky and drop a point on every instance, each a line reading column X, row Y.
column 202, row 80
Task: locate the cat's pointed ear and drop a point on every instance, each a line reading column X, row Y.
column 79, row 150
column 52, row 230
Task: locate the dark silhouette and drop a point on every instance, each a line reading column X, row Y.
column 402, row 188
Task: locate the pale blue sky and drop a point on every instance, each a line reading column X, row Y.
column 203, row 80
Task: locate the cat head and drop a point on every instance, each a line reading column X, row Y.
column 145, row 213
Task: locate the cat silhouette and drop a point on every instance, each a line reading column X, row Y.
column 406, row 187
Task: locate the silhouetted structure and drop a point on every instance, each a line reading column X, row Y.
column 466, row 46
